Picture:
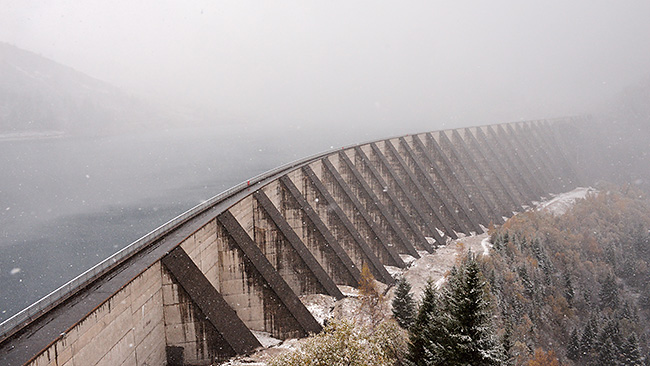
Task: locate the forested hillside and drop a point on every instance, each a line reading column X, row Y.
column 576, row 284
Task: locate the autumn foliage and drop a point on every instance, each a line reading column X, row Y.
column 577, row 284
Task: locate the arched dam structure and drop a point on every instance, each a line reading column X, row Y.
column 197, row 289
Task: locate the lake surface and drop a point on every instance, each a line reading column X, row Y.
column 68, row 203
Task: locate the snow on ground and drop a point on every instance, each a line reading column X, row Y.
column 319, row 305
column 559, row 204
column 393, row 271
column 485, row 243
column 266, row 339
column 348, row 291
column 429, row 266
column 435, row 266
column 408, row 259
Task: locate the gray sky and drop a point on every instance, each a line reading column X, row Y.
column 352, row 62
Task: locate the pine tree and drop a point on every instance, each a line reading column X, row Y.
column 461, row 332
column 569, row 292
column 508, row 344
column 609, row 293
column 427, row 326
column 403, row 304
column 573, row 349
column 588, row 337
column 607, row 354
column 631, row 355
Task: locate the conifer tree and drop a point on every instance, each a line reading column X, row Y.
column 631, row 355
column 569, row 292
column 609, row 293
column 588, row 337
column 507, row 344
column 607, row 353
column 461, row 331
column 426, row 327
column 573, row 349
column 403, row 304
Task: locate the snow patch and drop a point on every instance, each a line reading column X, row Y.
column 393, row 271
column 320, row 306
column 265, row 339
column 348, row 291
column 485, row 243
column 560, row 203
column 408, row 259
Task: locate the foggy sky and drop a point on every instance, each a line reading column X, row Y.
column 366, row 63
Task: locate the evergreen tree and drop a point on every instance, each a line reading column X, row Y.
column 573, row 349
column 403, row 304
column 607, row 354
column 569, row 292
column 631, row 355
column 609, row 293
column 508, row 344
column 427, row 326
column 588, row 337
column 461, row 332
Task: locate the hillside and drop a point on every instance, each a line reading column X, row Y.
column 38, row 96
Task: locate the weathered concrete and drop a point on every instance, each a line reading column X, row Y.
column 438, row 177
column 361, row 220
column 284, row 233
column 240, row 264
column 408, row 200
column 317, row 236
column 406, row 221
column 197, row 318
column 376, row 208
column 443, row 201
column 342, row 225
column 460, row 179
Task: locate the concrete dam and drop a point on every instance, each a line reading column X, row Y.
column 195, row 290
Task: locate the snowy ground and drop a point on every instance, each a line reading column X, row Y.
column 429, row 266
column 560, row 203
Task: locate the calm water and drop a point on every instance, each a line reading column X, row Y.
column 68, row 203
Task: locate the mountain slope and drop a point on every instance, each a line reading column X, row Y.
column 39, row 95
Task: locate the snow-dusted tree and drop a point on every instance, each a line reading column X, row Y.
column 607, row 353
column 456, row 327
column 403, row 304
column 573, row 348
column 427, row 328
column 609, row 297
column 631, row 355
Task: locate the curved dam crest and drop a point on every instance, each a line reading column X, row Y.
column 194, row 292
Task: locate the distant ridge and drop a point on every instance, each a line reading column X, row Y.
column 38, row 95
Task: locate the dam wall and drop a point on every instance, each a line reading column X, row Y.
column 203, row 288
